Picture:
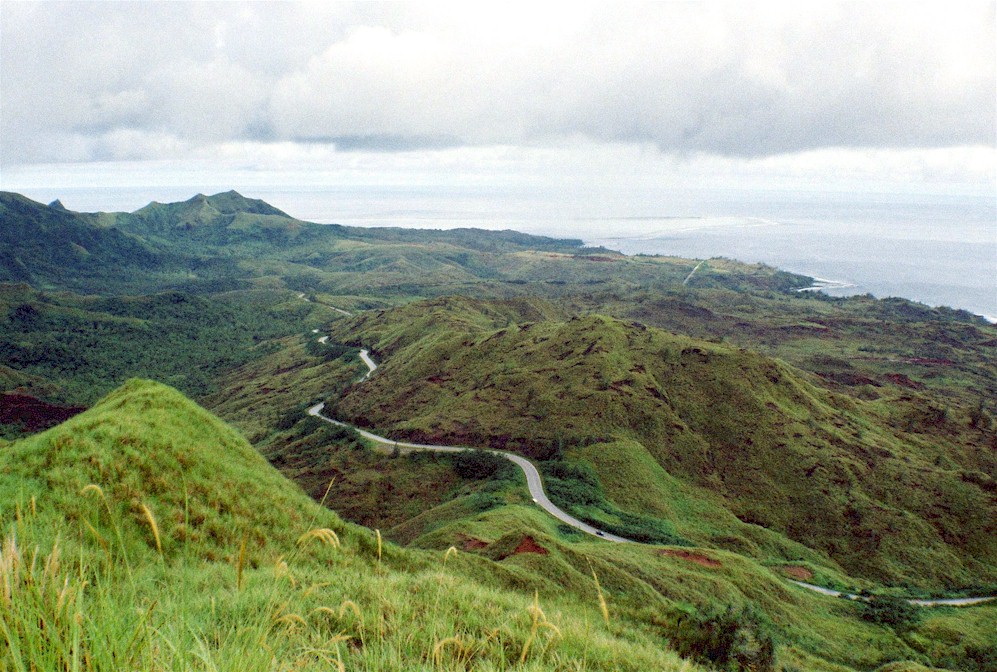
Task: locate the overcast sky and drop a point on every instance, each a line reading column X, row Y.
column 899, row 94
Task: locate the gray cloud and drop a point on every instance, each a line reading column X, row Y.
column 82, row 81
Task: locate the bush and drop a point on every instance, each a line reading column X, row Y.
column 573, row 493
column 894, row 612
column 730, row 638
column 481, row 464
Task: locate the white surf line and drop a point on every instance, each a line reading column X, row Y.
column 821, row 283
column 942, row 602
column 693, row 272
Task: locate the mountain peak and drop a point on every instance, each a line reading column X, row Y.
column 205, row 208
column 232, row 201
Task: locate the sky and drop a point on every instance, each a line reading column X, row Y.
column 840, row 96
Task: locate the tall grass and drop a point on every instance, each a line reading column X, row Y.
column 324, row 605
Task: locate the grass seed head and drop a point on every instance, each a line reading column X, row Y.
column 323, row 534
column 151, row 519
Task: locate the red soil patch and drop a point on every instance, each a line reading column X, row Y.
column 472, row 544
column 691, row 557
column 903, row 381
column 928, row 361
column 32, row 413
column 529, row 545
column 798, row 573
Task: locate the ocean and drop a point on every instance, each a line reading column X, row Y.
column 937, row 249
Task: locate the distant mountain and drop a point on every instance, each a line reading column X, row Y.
column 50, row 247
column 221, row 242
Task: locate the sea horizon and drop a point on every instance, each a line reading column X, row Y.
column 940, row 250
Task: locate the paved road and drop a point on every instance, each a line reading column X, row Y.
column 533, row 480
column 693, row 272
column 535, row 484
column 946, row 602
column 371, row 364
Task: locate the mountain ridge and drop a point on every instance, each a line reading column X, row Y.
column 762, row 415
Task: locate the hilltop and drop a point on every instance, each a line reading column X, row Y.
column 745, row 431
column 149, row 515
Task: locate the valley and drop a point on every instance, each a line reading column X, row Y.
column 745, row 432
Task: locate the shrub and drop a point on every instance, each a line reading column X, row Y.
column 729, row 638
column 481, row 464
column 894, row 612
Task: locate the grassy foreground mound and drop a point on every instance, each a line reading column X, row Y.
column 146, row 534
column 735, row 449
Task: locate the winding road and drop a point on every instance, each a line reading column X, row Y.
column 533, row 480
column 945, row 602
column 693, row 272
column 535, row 483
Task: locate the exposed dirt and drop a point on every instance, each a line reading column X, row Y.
column 903, row 381
column 691, row 557
column 529, row 545
column 472, row 544
column 32, row 413
column 798, row 573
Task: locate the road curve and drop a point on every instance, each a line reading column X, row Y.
column 533, row 480
column 535, row 483
column 941, row 602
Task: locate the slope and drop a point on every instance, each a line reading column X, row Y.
column 145, row 533
column 716, row 429
column 73, row 349
column 51, row 247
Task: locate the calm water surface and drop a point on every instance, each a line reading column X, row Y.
column 940, row 250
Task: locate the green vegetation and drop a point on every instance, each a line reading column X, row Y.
column 750, row 432
column 895, row 612
column 85, row 346
column 576, row 488
column 146, row 534
column 481, row 464
column 727, row 427
column 731, row 638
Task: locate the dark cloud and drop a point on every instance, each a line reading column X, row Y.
column 84, row 81
column 384, row 143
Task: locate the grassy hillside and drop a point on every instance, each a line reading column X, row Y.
column 51, row 247
column 893, row 490
column 869, row 454
column 145, row 533
column 226, row 242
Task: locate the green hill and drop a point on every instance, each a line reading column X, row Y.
column 74, row 349
column 51, row 247
column 865, row 460
column 146, row 534
column 731, row 448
